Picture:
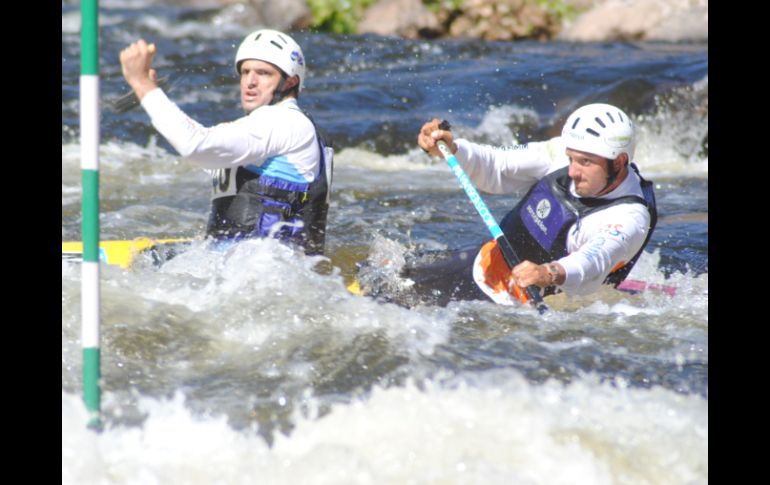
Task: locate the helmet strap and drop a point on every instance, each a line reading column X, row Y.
column 279, row 93
column 612, row 174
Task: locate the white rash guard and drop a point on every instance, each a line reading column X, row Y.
column 597, row 243
column 279, row 134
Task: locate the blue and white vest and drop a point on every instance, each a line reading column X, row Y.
column 537, row 227
column 248, row 203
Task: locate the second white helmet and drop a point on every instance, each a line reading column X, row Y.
column 601, row 129
column 276, row 48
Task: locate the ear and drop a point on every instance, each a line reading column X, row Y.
column 621, row 161
column 291, row 82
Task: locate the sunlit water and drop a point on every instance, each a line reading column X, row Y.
column 257, row 365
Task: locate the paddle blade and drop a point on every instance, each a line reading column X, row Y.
column 636, row 286
column 531, row 292
column 493, row 275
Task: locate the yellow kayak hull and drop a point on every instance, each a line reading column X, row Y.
column 123, row 253
column 119, row 253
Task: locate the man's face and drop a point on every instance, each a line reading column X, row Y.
column 258, row 81
column 588, row 172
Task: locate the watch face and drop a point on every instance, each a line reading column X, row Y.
column 554, row 271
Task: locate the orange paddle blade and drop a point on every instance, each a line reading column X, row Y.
column 497, row 274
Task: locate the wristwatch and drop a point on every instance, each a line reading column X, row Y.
column 553, row 270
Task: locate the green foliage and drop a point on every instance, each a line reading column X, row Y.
column 435, row 5
column 338, row 16
column 561, row 9
column 342, row 16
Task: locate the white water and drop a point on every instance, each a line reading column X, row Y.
column 493, row 429
column 660, row 153
column 197, row 353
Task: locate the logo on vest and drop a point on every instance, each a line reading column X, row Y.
column 543, row 209
column 539, row 213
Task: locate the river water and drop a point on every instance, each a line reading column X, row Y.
column 256, row 365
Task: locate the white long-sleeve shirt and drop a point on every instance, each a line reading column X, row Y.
column 279, row 138
column 597, row 243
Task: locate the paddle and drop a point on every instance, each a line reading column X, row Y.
column 129, row 101
column 511, row 259
column 636, row 286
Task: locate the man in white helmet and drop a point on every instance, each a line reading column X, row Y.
column 271, row 172
column 583, row 222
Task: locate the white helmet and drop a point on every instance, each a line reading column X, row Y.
column 601, row 129
column 276, row 48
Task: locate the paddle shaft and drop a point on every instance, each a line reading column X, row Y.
column 129, row 101
column 502, row 242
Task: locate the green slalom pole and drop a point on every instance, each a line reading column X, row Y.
column 89, row 165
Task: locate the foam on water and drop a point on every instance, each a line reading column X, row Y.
column 70, row 21
column 227, row 23
column 269, row 291
column 209, row 356
column 361, row 169
column 670, row 139
column 499, row 125
column 387, row 257
column 493, row 428
column 126, row 158
column 135, row 195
